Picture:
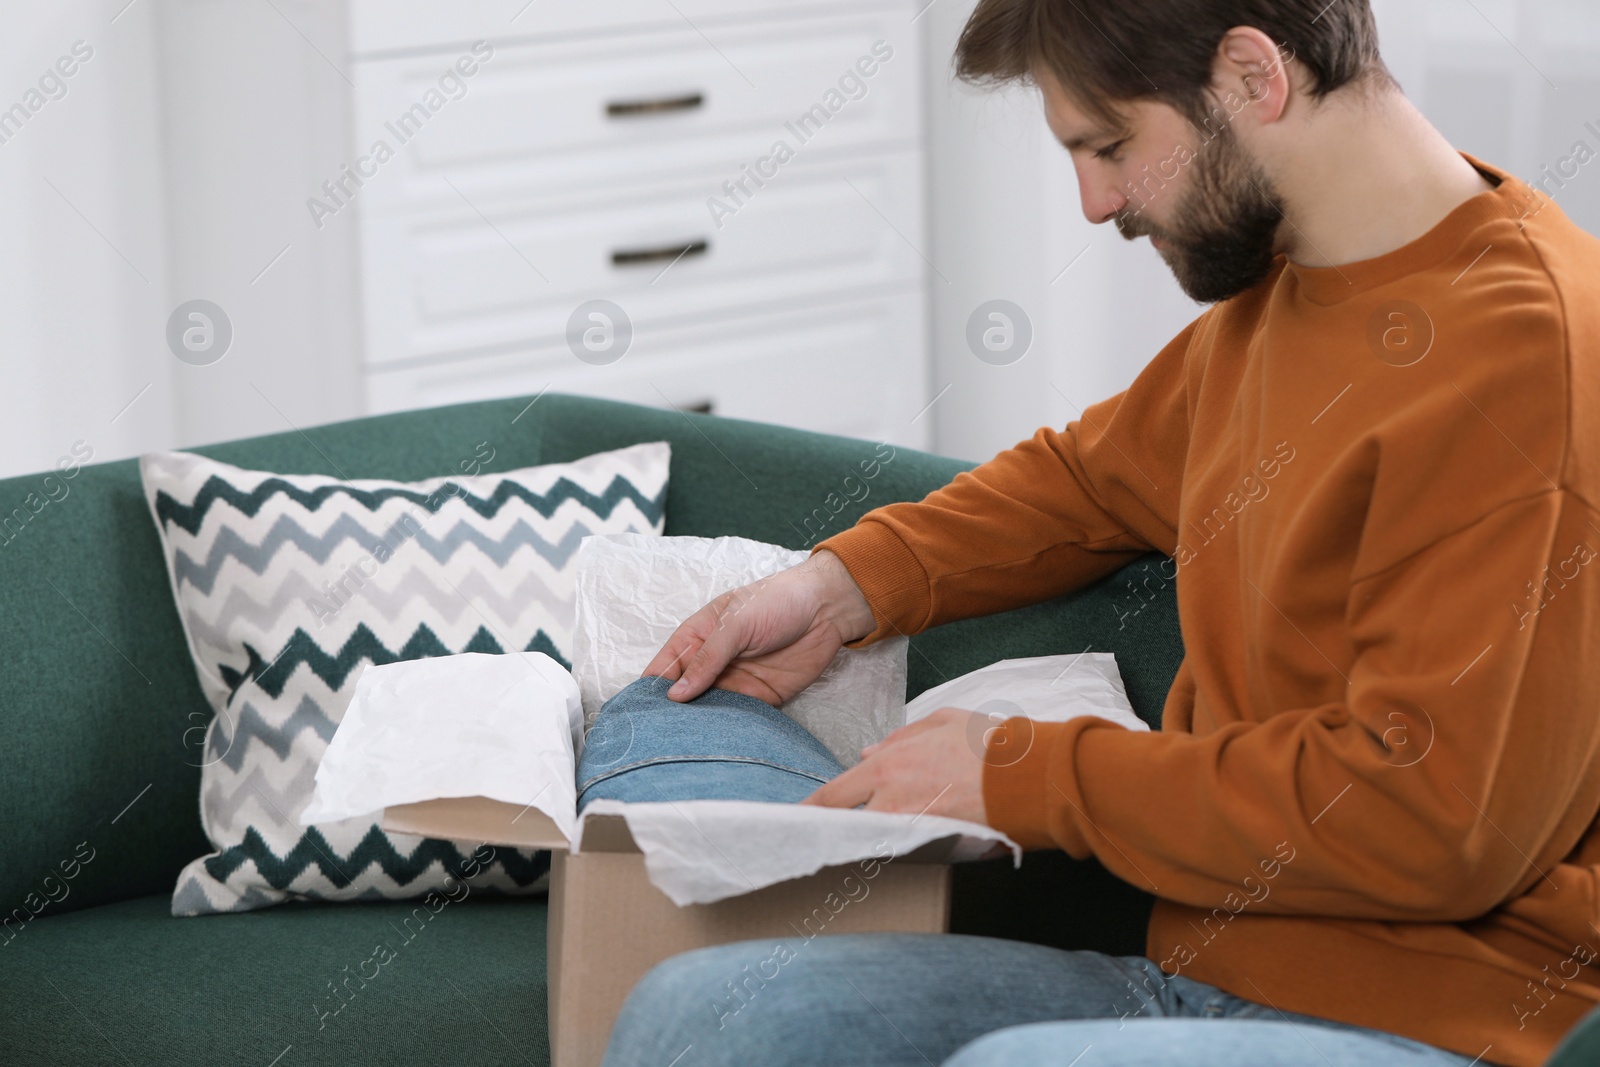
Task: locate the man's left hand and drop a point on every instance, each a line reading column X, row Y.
column 932, row 766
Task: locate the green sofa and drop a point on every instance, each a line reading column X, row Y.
column 97, row 775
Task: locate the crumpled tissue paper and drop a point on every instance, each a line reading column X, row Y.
column 507, row 727
column 504, row 727
column 633, row 590
column 703, row 851
column 1044, row 688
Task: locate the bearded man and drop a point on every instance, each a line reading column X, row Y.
column 1386, row 715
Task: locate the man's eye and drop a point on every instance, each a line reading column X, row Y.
column 1109, row 151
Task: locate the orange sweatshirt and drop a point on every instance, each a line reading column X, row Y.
column 1374, row 794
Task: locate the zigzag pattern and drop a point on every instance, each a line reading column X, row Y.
column 363, row 647
column 230, row 750
column 520, row 868
column 251, row 621
column 221, row 808
column 231, row 544
column 476, row 592
column 191, row 899
column 189, row 517
column 375, row 849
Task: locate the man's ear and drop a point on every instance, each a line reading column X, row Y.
column 1251, row 68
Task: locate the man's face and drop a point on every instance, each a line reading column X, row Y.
column 1207, row 205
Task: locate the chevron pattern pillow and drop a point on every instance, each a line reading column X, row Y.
column 289, row 585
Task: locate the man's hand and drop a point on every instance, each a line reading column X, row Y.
column 769, row 639
column 933, row 766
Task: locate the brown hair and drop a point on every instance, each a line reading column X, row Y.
column 1106, row 52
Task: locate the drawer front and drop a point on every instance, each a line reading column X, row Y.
column 612, row 112
column 856, row 369
column 457, row 282
column 382, row 26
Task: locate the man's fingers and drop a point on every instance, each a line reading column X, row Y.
column 685, row 643
column 688, row 686
column 705, row 666
column 853, row 787
column 695, row 679
column 900, row 733
column 668, row 662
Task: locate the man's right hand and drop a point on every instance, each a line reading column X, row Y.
column 769, row 639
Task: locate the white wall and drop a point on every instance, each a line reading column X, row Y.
column 83, row 278
column 110, row 221
column 241, row 236
column 85, row 312
column 1513, row 82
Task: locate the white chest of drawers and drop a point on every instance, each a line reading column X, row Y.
column 743, row 180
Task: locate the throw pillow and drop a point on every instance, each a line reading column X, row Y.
column 289, row 585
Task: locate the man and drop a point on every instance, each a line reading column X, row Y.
column 1369, row 816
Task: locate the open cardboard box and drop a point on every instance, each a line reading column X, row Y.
column 401, row 742
column 608, row 924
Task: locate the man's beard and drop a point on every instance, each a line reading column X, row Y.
column 1224, row 224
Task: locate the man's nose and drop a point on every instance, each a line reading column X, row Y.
column 1101, row 197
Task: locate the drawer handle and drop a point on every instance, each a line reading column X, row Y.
column 627, row 257
column 621, row 109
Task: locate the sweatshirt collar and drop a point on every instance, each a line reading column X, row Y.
column 1511, row 198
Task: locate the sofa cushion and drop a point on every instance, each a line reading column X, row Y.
column 127, row 983
column 288, row 584
column 100, row 687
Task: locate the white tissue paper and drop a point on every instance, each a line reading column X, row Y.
column 702, row 851
column 507, row 727
column 499, row 726
column 1044, row 688
column 633, row 590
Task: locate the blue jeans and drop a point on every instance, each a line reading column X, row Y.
column 719, row 746
column 924, row 999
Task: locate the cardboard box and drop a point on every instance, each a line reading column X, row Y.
column 608, row 925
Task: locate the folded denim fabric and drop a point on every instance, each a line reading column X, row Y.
column 720, row 746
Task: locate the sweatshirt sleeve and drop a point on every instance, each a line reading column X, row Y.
column 1452, row 772
column 1045, row 517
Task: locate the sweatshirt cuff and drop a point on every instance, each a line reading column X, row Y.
column 890, row 576
column 1020, row 796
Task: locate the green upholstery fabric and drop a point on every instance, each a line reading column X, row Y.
column 127, row 983
column 97, row 695
column 1581, row 1046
